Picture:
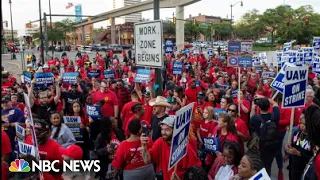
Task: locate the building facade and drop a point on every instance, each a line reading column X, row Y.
column 208, row 19
column 7, row 34
column 116, row 4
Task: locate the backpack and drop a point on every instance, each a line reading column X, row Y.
column 269, row 134
column 310, row 169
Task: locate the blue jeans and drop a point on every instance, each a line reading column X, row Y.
column 279, row 156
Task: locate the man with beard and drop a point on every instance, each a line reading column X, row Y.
column 71, row 96
column 160, row 152
column 192, row 91
column 44, row 105
column 159, row 109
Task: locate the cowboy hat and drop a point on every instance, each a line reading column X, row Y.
column 159, row 101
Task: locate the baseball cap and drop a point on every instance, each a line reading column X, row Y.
column 201, row 95
column 146, row 94
column 45, row 66
column 42, row 125
column 73, row 151
column 5, row 99
column 169, row 121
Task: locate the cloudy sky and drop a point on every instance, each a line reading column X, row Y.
column 25, row 10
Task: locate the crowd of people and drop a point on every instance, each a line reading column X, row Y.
column 133, row 136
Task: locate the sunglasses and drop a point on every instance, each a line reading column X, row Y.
column 232, row 110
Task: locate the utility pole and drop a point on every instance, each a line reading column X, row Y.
column 158, row 71
column 52, row 49
column 13, row 50
column 2, row 32
column 45, row 33
column 41, row 36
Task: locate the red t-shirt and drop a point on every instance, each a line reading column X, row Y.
column 148, row 111
column 21, row 106
column 51, row 62
column 65, row 62
column 160, row 153
column 212, row 105
column 229, row 136
column 4, row 170
column 318, row 165
column 48, row 151
column 206, row 128
column 192, row 94
column 244, row 116
column 242, row 127
column 128, row 157
column 127, row 113
column 6, row 144
column 110, row 99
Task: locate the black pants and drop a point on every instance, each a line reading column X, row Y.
column 267, row 156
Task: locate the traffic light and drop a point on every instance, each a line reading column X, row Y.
column 6, row 23
column 89, row 19
column 110, row 20
column 194, row 22
column 174, row 20
column 307, row 21
column 288, row 22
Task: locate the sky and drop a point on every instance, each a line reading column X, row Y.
column 24, row 11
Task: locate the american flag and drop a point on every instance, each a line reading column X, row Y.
column 69, row 5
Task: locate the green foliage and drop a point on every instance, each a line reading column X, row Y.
column 191, row 30
column 59, row 31
column 273, row 23
column 169, row 28
column 249, row 26
column 223, row 30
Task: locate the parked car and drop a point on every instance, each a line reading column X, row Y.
column 96, row 47
column 187, row 45
column 116, row 48
column 59, row 49
column 126, row 46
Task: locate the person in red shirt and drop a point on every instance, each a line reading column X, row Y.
column 226, row 129
column 244, row 107
column 65, row 61
column 211, row 100
column 46, row 68
column 5, row 151
column 242, row 129
column 160, row 152
column 207, row 125
column 110, row 107
column 192, row 91
column 129, row 156
column 126, row 112
column 51, row 63
column 138, row 111
column 48, row 148
column 15, row 103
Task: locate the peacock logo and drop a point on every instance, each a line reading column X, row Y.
column 19, row 165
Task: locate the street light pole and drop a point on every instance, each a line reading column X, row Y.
column 41, row 35
column 13, row 52
column 232, row 5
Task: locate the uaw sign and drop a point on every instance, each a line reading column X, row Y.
column 148, row 43
column 295, row 83
column 179, row 144
column 278, row 82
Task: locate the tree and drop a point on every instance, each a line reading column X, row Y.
column 249, row 26
column 273, row 19
column 169, row 28
column 66, row 26
column 224, row 30
column 191, row 30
